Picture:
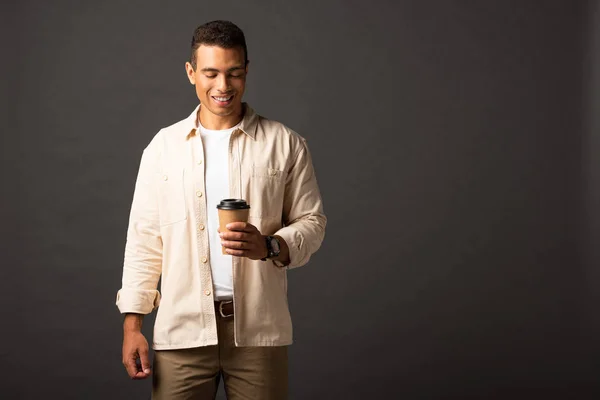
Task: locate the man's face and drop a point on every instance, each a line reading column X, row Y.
column 220, row 79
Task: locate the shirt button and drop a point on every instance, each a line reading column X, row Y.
column 199, row 193
column 201, row 227
column 199, row 162
column 165, row 177
column 207, row 292
column 204, row 260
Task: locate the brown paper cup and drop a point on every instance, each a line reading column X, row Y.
column 228, row 216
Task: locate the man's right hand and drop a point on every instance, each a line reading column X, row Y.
column 135, row 347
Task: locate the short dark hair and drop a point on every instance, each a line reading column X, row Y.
column 219, row 33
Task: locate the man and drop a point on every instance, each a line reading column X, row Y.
column 220, row 314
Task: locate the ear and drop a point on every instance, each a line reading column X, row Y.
column 191, row 74
column 247, row 62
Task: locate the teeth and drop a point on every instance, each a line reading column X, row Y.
column 223, row 98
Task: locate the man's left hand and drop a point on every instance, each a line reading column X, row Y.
column 244, row 240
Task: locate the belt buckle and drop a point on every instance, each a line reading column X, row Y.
column 221, row 304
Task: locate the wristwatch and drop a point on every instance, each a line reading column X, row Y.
column 273, row 247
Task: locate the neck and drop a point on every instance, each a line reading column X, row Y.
column 218, row 122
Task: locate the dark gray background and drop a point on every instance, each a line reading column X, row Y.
column 457, row 148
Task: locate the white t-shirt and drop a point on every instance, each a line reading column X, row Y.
column 216, row 175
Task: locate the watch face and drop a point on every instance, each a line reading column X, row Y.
column 275, row 245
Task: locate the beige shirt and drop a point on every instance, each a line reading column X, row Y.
column 270, row 167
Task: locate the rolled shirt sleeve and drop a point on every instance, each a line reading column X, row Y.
column 143, row 249
column 303, row 215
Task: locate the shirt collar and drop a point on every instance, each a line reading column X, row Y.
column 248, row 125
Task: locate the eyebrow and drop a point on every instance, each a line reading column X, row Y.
column 208, row 69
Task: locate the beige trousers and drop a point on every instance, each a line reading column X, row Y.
column 252, row 373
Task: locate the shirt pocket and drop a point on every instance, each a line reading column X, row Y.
column 171, row 196
column 267, row 191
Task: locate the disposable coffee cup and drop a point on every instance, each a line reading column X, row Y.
column 232, row 210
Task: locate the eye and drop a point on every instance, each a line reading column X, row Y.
column 210, row 76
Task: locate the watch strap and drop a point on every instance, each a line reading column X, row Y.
column 269, row 248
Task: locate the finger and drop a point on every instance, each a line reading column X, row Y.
column 141, row 375
column 241, row 226
column 234, row 245
column 239, row 236
column 237, row 253
column 130, row 367
column 145, row 360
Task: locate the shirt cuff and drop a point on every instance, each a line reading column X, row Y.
column 294, row 240
column 137, row 301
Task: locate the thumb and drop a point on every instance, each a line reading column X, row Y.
column 145, row 361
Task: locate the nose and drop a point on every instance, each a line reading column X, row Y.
column 222, row 83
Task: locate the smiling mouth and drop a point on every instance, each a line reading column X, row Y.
column 222, row 99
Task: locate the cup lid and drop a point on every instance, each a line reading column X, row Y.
column 233, row 204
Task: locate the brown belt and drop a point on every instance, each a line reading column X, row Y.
column 224, row 308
